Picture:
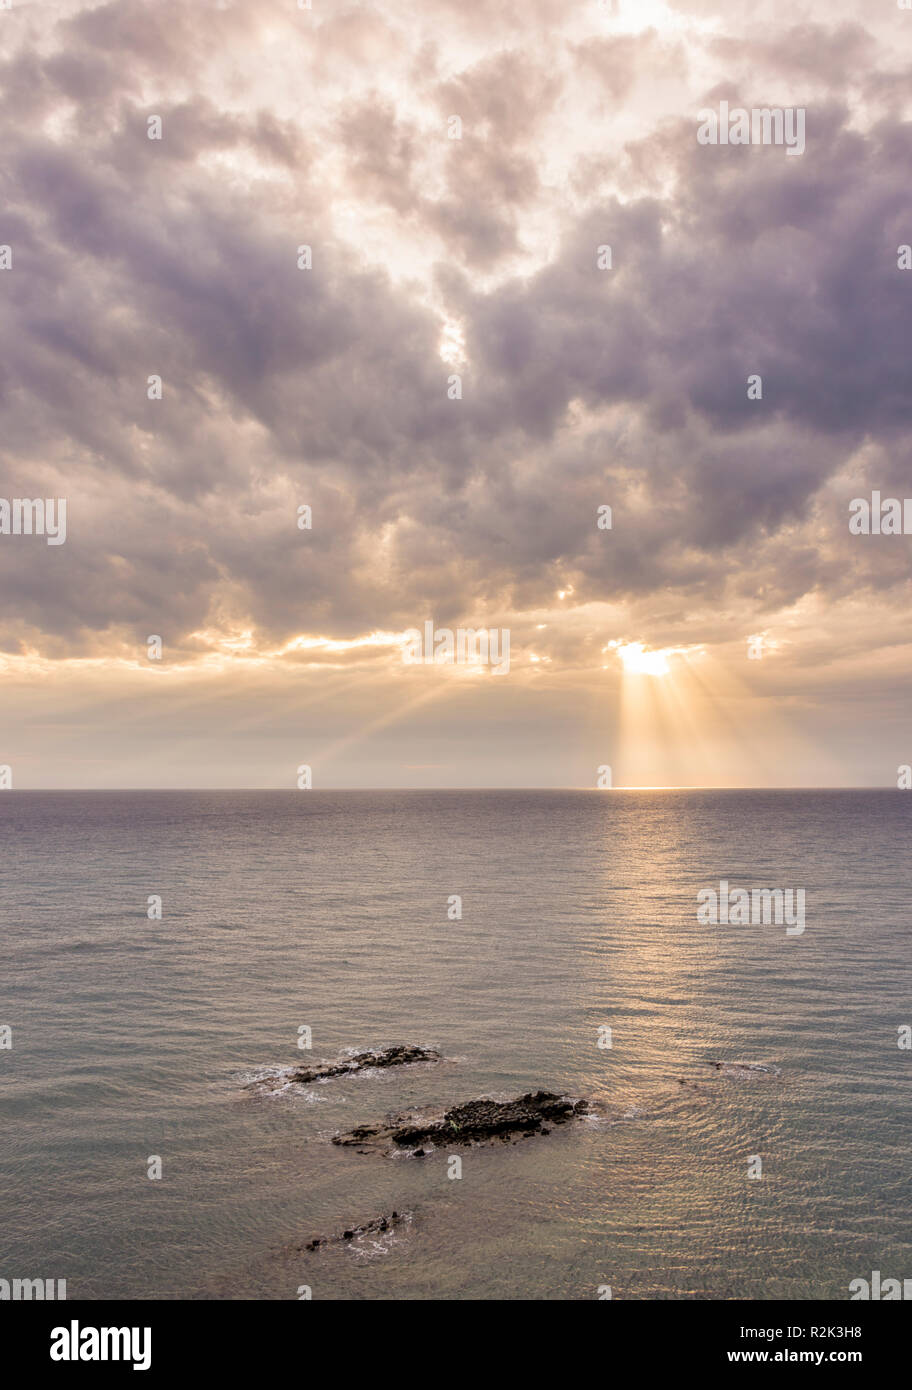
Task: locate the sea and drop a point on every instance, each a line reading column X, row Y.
column 751, row 1087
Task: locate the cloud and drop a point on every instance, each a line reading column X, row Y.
column 580, row 386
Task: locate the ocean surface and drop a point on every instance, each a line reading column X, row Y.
column 135, row 1038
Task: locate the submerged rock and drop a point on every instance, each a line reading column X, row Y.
column 400, row 1055
column 380, row 1225
column 745, row 1071
column 731, row 1071
column 478, row 1121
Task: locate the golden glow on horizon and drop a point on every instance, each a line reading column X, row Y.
column 700, row 726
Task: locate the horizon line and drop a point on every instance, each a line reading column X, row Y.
column 599, row 791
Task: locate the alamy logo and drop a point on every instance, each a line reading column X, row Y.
column 880, row 1290
column 762, row 125
column 38, row 516
column 760, row 906
column 888, row 516
column 466, row 646
column 74, row 1343
column 23, row 1290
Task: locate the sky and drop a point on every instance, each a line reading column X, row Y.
column 530, row 294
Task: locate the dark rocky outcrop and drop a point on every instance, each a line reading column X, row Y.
column 478, row 1121
column 400, row 1055
column 380, row 1225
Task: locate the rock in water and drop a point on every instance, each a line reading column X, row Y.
column 478, row 1121
column 402, row 1054
column 379, row 1226
column 745, row 1071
